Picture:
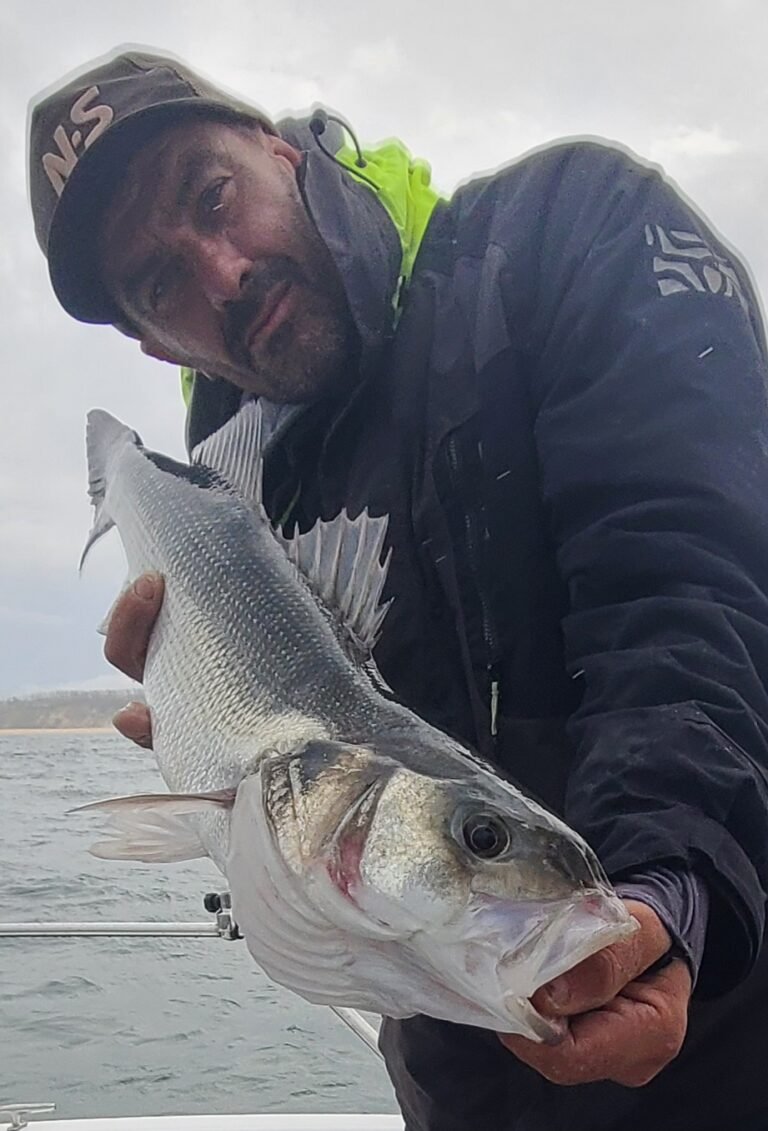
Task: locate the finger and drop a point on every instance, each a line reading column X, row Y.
column 134, row 722
column 628, row 1042
column 131, row 623
column 598, row 979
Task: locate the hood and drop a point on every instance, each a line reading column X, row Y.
column 372, row 219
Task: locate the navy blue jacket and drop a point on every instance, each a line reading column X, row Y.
column 569, row 430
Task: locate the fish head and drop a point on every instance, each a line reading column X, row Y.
column 468, row 895
column 536, row 902
column 492, row 895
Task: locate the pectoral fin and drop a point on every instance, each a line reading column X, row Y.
column 154, row 828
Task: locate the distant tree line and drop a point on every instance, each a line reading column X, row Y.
column 64, row 708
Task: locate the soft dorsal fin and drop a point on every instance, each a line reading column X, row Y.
column 235, row 452
column 341, row 560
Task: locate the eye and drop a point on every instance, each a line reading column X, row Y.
column 485, row 835
column 156, row 292
column 212, row 198
column 161, row 287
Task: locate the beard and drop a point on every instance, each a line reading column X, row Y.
column 307, row 362
column 311, row 353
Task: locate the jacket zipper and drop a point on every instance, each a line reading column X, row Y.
column 471, row 549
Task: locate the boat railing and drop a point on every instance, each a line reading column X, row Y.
column 15, row 1116
column 221, row 926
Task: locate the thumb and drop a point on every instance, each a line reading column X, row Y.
column 599, row 978
column 131, row 622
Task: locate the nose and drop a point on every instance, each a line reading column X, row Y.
column 221, row 270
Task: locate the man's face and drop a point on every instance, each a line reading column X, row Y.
column 210, row 253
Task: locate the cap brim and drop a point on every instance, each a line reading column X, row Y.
column 73, row 253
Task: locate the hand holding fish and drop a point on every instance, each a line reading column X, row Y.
column 624, row 1026
column 130, row 626
column 373, row 861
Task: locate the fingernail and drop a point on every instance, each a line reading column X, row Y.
column 558, row 992
column 557, row 1034
column 131, row 707
column 145, row 586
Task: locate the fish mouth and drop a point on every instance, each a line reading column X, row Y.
column 580, row 930
column 557, row 944
column 506, row 952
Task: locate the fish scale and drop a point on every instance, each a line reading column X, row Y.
column 373, row 861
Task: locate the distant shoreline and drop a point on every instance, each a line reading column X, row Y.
column 55, row 730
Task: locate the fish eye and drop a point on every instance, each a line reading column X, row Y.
column 485, row 835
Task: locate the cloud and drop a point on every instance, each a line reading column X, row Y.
column 693, row 143
column 32, row 618
column 109, row 681
column 467, row 145
column 377, row 60
column 668, row 81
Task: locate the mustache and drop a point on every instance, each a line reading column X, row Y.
column 240, row 312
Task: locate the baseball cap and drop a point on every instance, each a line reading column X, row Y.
column 82, row 135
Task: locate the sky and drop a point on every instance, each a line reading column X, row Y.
column 468, row 86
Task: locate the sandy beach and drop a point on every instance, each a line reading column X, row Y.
column 56, row 730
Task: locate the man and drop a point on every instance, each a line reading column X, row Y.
column 554, row 385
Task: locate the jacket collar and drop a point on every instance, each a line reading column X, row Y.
column 363, row 243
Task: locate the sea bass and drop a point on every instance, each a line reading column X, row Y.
column 373, row 861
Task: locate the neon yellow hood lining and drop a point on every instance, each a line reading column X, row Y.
column 403, row 186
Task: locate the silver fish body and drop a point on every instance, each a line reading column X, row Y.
column 373, row 861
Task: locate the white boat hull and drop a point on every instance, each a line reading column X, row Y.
column 226, row 1123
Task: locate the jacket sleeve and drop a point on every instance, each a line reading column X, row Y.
column 651, row 426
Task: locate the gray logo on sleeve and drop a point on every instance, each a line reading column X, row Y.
column 684, row 262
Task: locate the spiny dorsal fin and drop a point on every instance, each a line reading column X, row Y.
column 235, row 452
column 341, row 560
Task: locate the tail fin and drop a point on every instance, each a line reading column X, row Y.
column 103, row 435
